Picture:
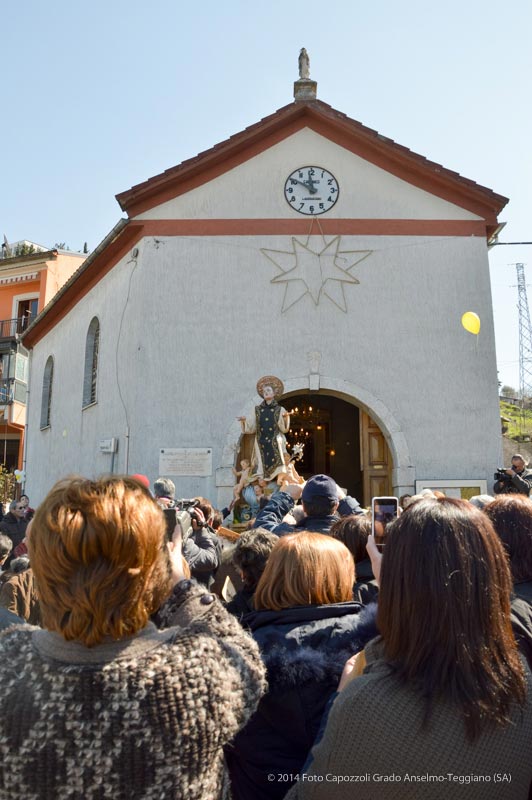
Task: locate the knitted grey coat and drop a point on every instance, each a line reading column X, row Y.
column 375, row 747
column 145, row 717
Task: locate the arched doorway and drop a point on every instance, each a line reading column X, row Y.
column 340, row 440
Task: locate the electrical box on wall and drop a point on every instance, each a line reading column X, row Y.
column 108, row 445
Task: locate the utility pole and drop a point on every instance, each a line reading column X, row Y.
column 525, row 343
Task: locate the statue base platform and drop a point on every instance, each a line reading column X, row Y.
column 305, row 89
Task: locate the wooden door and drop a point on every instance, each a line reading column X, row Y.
column 375, row 460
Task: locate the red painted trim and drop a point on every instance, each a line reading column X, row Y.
column 202, row 172
column 407, row 169
column 82, row 282
column 302, row 227
column 331, row 124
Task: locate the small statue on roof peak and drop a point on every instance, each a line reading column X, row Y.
column 304, row 65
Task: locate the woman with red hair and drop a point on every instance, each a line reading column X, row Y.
column 306, row 624
column 100, row 703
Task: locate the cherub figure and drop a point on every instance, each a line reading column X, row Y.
column 291, row 475
column 243, row 475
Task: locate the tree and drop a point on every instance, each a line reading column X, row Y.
column 508, row 391
column 24, row 250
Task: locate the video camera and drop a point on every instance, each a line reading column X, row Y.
column 182, row 514
column 500, row 475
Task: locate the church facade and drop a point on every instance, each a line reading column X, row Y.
column 308, row 247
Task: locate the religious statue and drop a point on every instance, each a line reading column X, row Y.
column 270, row 423
column 304, row 65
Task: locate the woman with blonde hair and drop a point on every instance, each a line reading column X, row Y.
column 306, row 624
column 100, row 703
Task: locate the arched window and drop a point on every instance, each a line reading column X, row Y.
column 90, row 374
column 46, row 401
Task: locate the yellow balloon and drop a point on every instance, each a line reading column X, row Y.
column 471, row 322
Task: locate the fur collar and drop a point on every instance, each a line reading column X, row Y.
column 317, row 652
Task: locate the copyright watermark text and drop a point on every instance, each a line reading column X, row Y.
column 375, row 777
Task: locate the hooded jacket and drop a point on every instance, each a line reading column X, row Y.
column 304, row 649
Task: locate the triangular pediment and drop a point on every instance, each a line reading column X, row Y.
column 276, row 133
column 255, row 189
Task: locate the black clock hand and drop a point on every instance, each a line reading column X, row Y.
column 309, row 182
column 311, row 189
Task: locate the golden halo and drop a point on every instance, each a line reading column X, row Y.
column 270, row 380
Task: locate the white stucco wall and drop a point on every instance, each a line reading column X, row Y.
column 254, row 189
column 189, row 325
column 203, row 321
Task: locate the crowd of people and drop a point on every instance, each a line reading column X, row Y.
column 333, row 669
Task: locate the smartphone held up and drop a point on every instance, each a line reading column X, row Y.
column 383, row 511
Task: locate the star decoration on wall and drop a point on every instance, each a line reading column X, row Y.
column 318, row 271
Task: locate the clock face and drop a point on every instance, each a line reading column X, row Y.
column 311, row 190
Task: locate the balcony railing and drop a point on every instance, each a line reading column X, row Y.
column 10, row 327
column 11, row 390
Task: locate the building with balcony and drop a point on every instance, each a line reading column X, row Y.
column 27, row 283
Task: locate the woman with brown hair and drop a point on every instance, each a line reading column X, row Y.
column 353, row 531
column 442, row 709
column 100, row 703
column 306, row 624
column 511, row 516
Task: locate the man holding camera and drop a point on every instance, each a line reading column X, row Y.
column 516, row 480
column 202, row 549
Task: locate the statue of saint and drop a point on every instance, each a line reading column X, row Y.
column 304, row 65
column 269, row 425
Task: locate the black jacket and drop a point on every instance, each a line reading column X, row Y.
column 304, row 649
column 280, row 503
column 366, row 588
column 15, row 529
column 241, row 604
column 519, row 483
column 521, row 615
column 203, row 553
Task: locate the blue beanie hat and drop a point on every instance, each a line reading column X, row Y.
column 320, row 486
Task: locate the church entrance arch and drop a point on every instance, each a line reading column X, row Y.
column 352, row 435
column 341, row 440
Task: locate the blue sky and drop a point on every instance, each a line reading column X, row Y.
column 99, row 96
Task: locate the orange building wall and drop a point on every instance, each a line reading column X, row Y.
column 8, row 292
column 58, row 272
column 51, row 278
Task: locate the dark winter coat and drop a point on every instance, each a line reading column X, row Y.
column 280, row 503
column 366, row 588
column 304, row 649
column 241, row 604
column 15, row 529
column 521, row 615
column 203, row 553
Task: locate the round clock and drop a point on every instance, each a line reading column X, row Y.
column 311, row 190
